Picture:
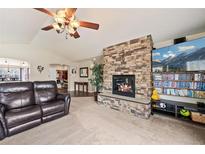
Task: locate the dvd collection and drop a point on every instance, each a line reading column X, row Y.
column 173, row 84
column 180, row 77
column 184, row 92
column 182, row 84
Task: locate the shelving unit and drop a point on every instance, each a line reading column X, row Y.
column 190, row 84
column 173, row 109
column 179, row 90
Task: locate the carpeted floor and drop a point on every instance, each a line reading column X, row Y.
column 89, row 123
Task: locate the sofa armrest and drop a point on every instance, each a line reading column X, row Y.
column 2, row 108
column 67, row 99
column 2, row 121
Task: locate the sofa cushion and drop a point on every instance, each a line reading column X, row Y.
column 17, row 117
column 17, row 94
column 2, row 134
column 53, row 107
column 23, row 127
column 45, row 91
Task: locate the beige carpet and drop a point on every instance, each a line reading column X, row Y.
column 89, row 123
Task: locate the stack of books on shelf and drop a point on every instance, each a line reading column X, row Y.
column 168, row 76
column 180, row 84
column 157, row 77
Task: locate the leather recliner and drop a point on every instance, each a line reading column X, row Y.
column 53, row 105
column 24, row 105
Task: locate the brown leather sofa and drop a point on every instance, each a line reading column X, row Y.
column 24, row 105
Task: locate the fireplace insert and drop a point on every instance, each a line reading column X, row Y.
column 123, row 85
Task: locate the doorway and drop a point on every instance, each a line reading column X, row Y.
column 59, row 73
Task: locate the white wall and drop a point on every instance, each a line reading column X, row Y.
column 76, row 77
column 37, row 56
column 33, row 55
column 171, row 42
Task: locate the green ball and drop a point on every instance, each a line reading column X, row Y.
column 184, row 112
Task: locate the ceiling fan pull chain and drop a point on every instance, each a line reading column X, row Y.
column 66, row 36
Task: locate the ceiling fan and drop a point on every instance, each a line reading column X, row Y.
column 65, row 19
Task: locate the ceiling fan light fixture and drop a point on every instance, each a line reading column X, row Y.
column 72, row 18
column 61, row 13
column 59, row 19
column 59, row 27
column 71, row 30
column 65, row 20
column 56, row 26
column 60, row 16
column 74, row 23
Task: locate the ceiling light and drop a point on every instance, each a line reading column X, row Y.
column 72, row 18
column 56, row 26
column 74, row 24
column 65, row 19
column 61, row 13
column 70, row 29
column 59, row 20
column 60, row 16
column 59, row 27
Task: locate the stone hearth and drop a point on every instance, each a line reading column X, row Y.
column 129, row 58
column 139, row 107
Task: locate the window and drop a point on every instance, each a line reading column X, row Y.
column 13, row 70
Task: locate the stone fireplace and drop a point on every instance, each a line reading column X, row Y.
column 122, row 63
column 123, row 85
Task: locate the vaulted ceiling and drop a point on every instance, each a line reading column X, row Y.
column 23, row 26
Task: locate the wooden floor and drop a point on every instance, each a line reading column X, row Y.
column 76, row 94
column 80, row 94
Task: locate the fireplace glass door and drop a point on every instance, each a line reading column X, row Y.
column 124, row 85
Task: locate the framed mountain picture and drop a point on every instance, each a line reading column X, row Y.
column 187, row 56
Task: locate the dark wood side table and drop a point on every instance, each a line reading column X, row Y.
column 84, row 84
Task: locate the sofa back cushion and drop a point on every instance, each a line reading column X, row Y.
column 16, row 94
column 45, row 91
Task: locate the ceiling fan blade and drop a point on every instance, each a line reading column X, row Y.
column 89, row 25
column 47, row 28
column 45, row 11
column 75, row 35
column 70, row 12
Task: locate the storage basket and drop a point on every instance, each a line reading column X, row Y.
column 198, row 117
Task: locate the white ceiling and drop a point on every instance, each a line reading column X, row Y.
column 19, row 26
column 116, row 25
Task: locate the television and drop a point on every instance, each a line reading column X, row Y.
column 186, row 56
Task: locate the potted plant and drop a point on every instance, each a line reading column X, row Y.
column 97, row 78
